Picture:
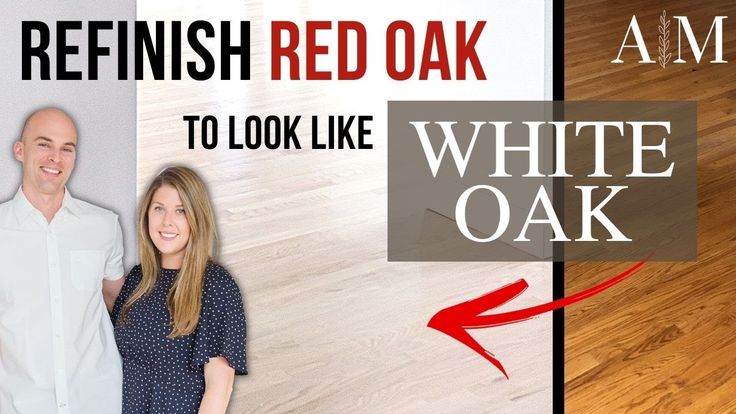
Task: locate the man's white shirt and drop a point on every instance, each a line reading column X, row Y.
column 57, row 348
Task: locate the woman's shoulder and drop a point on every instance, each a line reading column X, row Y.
column 221, row 294
column 217, row 280
column 135, row 274
column 133, row 277
column 216, row 270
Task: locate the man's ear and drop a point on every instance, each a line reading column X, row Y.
column 18, row 150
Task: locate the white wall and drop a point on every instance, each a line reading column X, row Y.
column 104, row 110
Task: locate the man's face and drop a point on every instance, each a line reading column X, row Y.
column 48, row 150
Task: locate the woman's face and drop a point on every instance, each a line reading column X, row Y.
column 168, row 226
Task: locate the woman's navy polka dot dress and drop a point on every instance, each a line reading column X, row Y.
column 162, row 375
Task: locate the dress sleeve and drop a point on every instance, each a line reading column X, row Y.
column 221, row 328
column 131, row 282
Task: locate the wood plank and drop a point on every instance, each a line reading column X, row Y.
column 663, row 340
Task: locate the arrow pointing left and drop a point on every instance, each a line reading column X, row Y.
column 457, row 319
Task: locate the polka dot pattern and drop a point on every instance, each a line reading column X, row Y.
column 162, row 375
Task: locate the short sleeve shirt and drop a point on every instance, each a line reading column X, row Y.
column 57, row 348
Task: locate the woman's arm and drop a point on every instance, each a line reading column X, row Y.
column 218, row 385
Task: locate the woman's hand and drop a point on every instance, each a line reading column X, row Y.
column 218, row 385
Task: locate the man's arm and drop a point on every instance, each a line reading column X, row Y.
column 110, row 291
column 218, row 385
column 114, row 266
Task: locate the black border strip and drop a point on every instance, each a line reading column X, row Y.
column 558, row 266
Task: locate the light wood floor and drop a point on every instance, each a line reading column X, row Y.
column 334, row 327
column 664, row 340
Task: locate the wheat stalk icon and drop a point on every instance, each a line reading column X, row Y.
column 664, row 39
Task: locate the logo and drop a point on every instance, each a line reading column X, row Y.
column 633, row 39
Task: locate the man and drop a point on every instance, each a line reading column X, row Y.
column 61, row 265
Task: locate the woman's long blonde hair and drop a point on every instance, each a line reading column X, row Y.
column 185, row 296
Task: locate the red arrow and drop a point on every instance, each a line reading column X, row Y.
column 455, row 320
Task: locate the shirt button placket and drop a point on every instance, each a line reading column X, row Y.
column 57, row 319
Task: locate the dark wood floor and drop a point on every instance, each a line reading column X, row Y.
column 665, row 340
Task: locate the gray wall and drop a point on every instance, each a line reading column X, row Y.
column 104, row 110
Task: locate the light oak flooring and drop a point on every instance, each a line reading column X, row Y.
column 334, row 327
column 664, row 341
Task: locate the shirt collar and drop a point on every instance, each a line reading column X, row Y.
column 70, row 203
column 23, row 207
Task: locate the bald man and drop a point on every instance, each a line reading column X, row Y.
column 61, row 262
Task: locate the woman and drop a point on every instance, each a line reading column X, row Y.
column 179, row 319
